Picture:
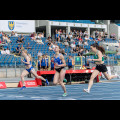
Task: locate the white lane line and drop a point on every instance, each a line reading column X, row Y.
column 43, row 98
column 19, row 96
column 35, row 97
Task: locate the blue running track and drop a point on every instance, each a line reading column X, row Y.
column 99, row 91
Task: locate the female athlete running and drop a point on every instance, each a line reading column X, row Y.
column 100, row 66
column 28, row 63
column 60, row 69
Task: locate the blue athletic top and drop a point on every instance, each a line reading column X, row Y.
column 26, row 61
column 38, row 63
column 52, row 64
column 69, row 62
column 43, row 62
column 58, row 60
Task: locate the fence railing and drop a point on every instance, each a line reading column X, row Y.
column 11, row 69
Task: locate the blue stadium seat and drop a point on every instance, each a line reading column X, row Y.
column 106, row 62
column 115, row 62
column 2, row 63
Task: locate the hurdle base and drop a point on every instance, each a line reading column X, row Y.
column 30, row 83
column 3, row 85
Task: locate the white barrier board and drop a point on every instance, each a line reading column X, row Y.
column 24, row 26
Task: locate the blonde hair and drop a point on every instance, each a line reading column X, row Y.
column 29, row 55
column 25, row 51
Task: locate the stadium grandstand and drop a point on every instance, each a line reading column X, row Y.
column 77, row 37
column 73, row 36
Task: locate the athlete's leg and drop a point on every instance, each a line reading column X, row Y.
column 41, row 69
column 47, row 68
column 94, row 74
column 109, row 77
column 36, row 75
column 44, row 68
column 70, row 68
column 24, row 73
column 62, row 76
column 56, row 78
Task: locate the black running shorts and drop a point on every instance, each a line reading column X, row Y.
column 59, row 69
column 101, row 68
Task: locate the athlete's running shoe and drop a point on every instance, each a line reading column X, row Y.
column 86, row 90
column 47, row 82
column 23, row 88
column 65, row 94
column 65, row 80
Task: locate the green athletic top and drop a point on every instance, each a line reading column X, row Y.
column 96, row 57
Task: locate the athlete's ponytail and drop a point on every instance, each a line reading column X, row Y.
column 99, row 48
